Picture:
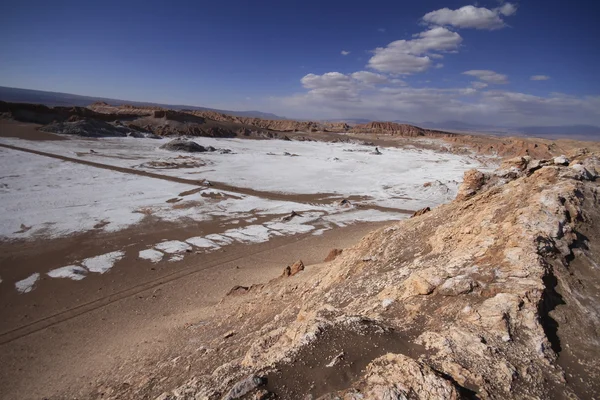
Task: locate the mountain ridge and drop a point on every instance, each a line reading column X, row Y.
column 48, row 98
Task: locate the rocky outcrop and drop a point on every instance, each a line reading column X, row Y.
column 392, row 128
column 277, row 125
column 333, row 254
column 190, row 146
column 295, row 268
column 40, row 114
column 420, row 212
column 473, row 180
column 85, row 127
column 493, row 296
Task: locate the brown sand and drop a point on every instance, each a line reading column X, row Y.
column 66, row 335
column 22, row 130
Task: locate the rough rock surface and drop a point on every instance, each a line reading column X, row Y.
column 493, row 296
column 165, row 122
column 473, row 180
column 89, row 128
column 293, row 269
column 333, row 254
column 392, row 128
column 190, row 146
column 420, row 212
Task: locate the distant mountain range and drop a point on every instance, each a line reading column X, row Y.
column 579, row 132
column 53, row 99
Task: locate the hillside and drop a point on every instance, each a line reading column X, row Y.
column 493, row 296
column 146, row 121
column 393, row 128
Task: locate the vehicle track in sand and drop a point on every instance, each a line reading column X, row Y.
column 57, row 318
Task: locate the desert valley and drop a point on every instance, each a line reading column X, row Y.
column 171, row 254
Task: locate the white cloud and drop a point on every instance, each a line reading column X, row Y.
column 369, row 77
column 471, row 17
column 369, row 95
column 488, row 76
column 330, row 79
column 332, row 85
column 508, row 9
column 479, row 85
column 539, row 78
column 345, row 53
column 382, row 30
column 415, row 55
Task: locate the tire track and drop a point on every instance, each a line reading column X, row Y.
column 71, row 313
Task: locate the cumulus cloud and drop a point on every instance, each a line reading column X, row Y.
column 369, row 77
column 415, row 55
column 471, row 17
column 330, row 79
column 345, row 52
column 332, row 85
column 353, row 99
column 539, row 78
column 335, row 86
column 380, row 94
column 488, row 76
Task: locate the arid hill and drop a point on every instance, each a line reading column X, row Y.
column 273, row 125
column 145, row 121
column 392, row 128
column 493, row 296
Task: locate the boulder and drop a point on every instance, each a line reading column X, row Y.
column 473, row 180
column 183, row 145
column 293, row 269
column 245, row 386
column 517, row 162
column 561, row 160
column 297, row 267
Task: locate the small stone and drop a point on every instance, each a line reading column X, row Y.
column 335, row 360
column 245, row 386
column 229, row 334
column 237, row 290
column 561, row 160
column 288, row 218
column 387, row 302
column 333, row 255
column 421, row 212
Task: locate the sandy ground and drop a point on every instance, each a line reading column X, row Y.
column 66, row 338
column 70, row 338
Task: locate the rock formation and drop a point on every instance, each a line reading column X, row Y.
column 89, row 128
column 493, row 296
column 392, row 128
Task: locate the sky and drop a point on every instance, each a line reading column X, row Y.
column 487, row 62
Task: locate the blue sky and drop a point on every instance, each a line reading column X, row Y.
column 403, row 60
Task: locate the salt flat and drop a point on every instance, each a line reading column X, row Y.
column 394, row 179
column 42, row 197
